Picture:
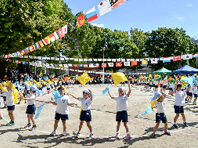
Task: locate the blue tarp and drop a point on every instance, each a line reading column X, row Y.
column 185, row 69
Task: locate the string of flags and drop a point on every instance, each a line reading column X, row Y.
column 104, row 7
column 116, row 62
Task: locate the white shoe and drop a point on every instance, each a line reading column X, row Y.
column 53, row 133
column 64, row 133
column 91, row 135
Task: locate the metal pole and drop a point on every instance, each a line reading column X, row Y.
column 103, row 66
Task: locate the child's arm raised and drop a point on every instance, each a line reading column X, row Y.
column 175, row 87
column 129, row 89
column 91, row 95
column 111, row 95
column 77, row 98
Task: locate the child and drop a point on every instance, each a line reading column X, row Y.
column 179, row 105
column 48, row 87
column 10, row 104
column 85, row 114
column 31, row 108
column 62, row 110
column 121, row 115
column 160, row 115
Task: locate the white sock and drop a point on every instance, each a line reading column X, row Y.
column 175, row 123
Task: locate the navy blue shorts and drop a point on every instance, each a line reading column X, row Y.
column 161, row 117
column 31, row 109
column 156, row 86
column 122, row 116
column 171, row 89
column 179, row 109
column 195, row 95
column 62, row 117
column 52, row 86
column 85, row 115
column 11, row 108
column 189, row 94
column 28, row 92
column 48, row 88
column 4, row 98
column 164, row 86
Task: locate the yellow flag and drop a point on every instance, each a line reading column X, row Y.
column 35, row 81
column 29, row 83
column 15, row 95
column 3, row 88
column 118, row 78
column 40, row 74
column 84, row 78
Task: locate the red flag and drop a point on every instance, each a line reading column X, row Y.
column 104, row 65
column 32, row 48
column 46, row 40
column 22, row 52
column 62, row 31
column 81, row 20
column 118, row 64
column 177, row 58
column 134, row 63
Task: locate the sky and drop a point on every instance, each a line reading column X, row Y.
column 146, row 15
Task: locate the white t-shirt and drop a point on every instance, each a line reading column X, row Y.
column 172, row 86
column 180, row 98
column 60, row 82
column 85, row 103
column 31, row 102
column 195, row 90
column 190, row 90
column 9, row 98
column 62, row 107
column 122, row 103
column 160, row 107
column 48, row 85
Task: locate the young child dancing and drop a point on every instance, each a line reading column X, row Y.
column 122, row 106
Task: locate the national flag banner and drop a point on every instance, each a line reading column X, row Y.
column 81, row 20
column 111, row 64
column 144, row 62
column 37, row 45
column 118, row 60
column 177, row 58
column 32, row 48
column 89, row 60
column 80, row 65
column 70, row 65
column 22, row 52
column 91, row 65
column 91, row 14
column 104, row 65
column 100, row 60
column 96, row 65
column 85, row 65
column 75, row 59
column 95, row 60
column 62, row 31
column 113, row 60
column 166, row 60
column 41, row 43
column 65, row 65
column 122, row 60
column 154, row 60
column 85, row 60
column 104, row 7
column 104, row 60
column 80, row 60
column 134, row 63
column 126, row 63
column 118, row 64
column 27, row 50
column 116, row 3
column 196, row 55
column 53, row 37
column 187, row 56
column 108, row 60
column 46, row 40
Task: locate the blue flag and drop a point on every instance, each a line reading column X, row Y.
column 56, row 94
column 147, row 111
column 39, row 109
column 105, row 92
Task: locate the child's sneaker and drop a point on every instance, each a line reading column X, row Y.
column 185, row 124
column 10, row 124
column 153, row 135
column 175, row 126
column 91, row 135
column 64, row 133
column 117, row 136
column 194, row 103
column 127, row 137
column 33, row 127
column 168, row 133
column 27, row 126
column 53, row 133
column 78, row 134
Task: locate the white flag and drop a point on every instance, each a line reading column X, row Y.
column 154, row 60
column 187, row 56
column 104, row 7
column 126, row 63
column 111, row 64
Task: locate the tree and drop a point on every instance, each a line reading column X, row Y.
column 166, row 42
